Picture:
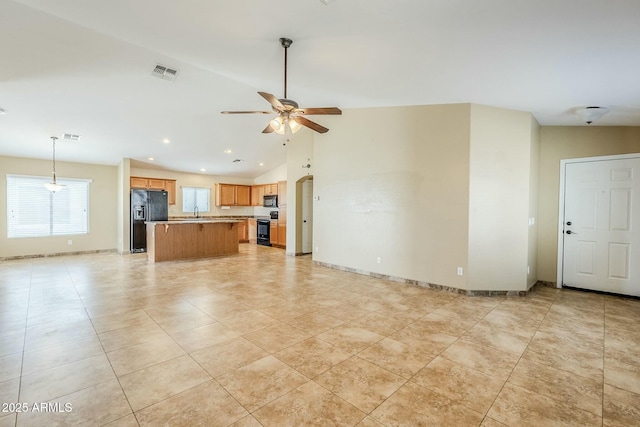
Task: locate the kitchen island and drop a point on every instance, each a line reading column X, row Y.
column 190, row 239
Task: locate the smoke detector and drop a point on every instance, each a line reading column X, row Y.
column 327, row 2
column 164, row 73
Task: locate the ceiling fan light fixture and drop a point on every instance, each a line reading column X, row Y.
column 294, row 125
column 276, row 123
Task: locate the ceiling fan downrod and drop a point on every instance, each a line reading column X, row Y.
column 285, row 42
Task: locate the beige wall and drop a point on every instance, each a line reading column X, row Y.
column 124, row 206
column 499, row 202
column 103, row 213
column 394, row 183
column 563, row 142
column 534, row 203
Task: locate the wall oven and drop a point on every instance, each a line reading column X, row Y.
column 264, row 227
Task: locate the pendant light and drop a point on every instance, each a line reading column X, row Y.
column 54, row 186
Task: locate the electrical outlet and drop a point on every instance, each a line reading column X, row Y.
column 69, row 242
column 528, row 269
column 459, row 271
column 316, row 249
column 378, row 260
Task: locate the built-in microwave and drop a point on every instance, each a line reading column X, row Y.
column 270, row 201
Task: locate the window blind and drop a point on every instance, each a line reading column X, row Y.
column 34, row 211
column 195, row 196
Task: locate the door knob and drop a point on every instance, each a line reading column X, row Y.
column 570, row 232
column 568, row 222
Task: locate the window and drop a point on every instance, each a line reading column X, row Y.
column 195, row 198
column 34, row 211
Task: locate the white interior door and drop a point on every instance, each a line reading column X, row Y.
column 600, row 233
column 307, row 216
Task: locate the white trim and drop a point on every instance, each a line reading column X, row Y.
column 560, row 233
column 89, row 180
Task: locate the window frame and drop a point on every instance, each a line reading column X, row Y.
column 50, row 217
column 195, row 191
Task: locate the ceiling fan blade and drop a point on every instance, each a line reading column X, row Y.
column 247, row 112
column 319, row 111
column 311, row 125
column 275, row 102
column 268, row 129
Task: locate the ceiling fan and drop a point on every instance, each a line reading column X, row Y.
column 290, row 116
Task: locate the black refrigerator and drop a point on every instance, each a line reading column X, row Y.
column 146, row 205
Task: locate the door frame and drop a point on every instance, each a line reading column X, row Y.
column 298, row 214
column 560, row 230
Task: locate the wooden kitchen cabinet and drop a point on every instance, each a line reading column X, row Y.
column 257, row 193
column 136, row 182
column 169, row 185
column 233, row 195
column 282, row 227
column 282, row 194
column 243, row 195
column 282, row 235
column 273, row 232
column 243, row 232
column 253, row 231
column 270, row 189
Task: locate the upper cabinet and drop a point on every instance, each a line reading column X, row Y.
column 233, row 195
column 257, row 193
column 271, row 189
column 169, row 185
column 282, row 194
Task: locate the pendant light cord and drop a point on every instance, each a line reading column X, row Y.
column 54, row 138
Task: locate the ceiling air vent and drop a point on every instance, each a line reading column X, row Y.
column 238, row 161
column 70, row 137
column 165, row 73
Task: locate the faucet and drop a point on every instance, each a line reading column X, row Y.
column 196, row 212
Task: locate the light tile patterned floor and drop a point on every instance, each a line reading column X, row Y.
column 265, row 339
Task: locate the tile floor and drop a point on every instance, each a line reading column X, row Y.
column 264, row 339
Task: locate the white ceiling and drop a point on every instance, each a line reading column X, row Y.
column 84, row 67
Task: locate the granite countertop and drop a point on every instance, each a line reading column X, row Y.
column 196, row 221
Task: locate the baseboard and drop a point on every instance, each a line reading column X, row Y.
column 97, row 251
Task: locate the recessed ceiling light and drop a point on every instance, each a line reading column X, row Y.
column 261, row 164
column 151, row 158
column 2, row 111
column 166, row 141
column 203, row 170
column 228, row 151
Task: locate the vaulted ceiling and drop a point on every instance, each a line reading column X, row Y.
column 85, row 67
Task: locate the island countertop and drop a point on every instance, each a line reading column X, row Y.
column 196, row 221
column 191, row 238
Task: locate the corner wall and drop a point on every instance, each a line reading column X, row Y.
column 499, row 188
column 393, row 183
